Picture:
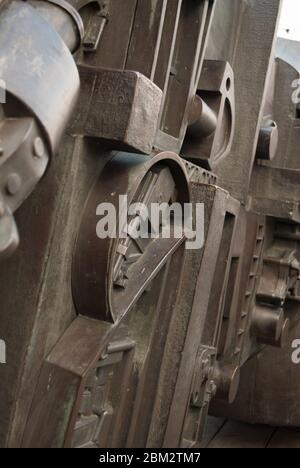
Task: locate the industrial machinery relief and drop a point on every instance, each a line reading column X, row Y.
column 122, row 341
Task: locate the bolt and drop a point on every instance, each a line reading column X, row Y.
column 38, row 147
column 13, row 184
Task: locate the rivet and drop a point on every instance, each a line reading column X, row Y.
column 13, row 184
column 38, row 147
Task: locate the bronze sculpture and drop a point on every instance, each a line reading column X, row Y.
column 117, row 344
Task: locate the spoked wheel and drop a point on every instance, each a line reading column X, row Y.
column 132, row 283
column 107, row 375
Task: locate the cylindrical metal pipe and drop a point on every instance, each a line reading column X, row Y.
column 202, row 119
column 267, row 142
column 227, row 379
column 283, row 338
column 61, row 20
column 267, row 324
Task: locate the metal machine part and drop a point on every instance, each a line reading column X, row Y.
column 50, row 103
column 138, row 340
column 36, row 109
column 64, row 18
column 212, row 120
column 23, row 161
column 268, row 141
column 96, row 25
column 114, row 309
column 9, row 238
column 109, row 276
column 274, row 317
column 119, row 108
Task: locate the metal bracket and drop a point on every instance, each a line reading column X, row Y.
column 95, row 28
column 204, row 387
column 212, row 116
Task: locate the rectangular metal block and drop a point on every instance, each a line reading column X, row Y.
column 121, row 108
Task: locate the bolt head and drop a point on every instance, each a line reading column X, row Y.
column 268, row 142
column 38, row 147
column 13, row 184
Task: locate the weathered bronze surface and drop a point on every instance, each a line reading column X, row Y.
column 132, row 343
